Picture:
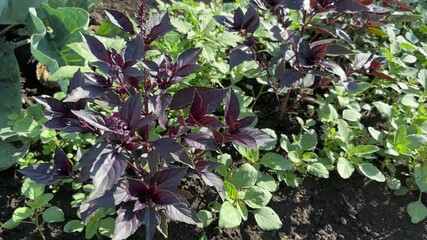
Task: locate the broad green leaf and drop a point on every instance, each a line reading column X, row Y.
column 106, row 227
column 377, row 135
column 372, row 172
column 41, row 201
column 344, row 130
column 410, row 101
column 181, row 25
column 362, row 150
column 74, row 226
column 242, row 210
column 245, row 176
column 402, row 191
column 351, row 115
column 417, row 211
column 88, row 5
column 267, row 182
column 275, row 161
column 10, row 224
column 345, row 168
column 257, row 197
column 318, row 170
column 231, row 190
column 420, row 172
column 416, row 140
column 422, row 78
column 53, row 214
column 272, row 144
column 393, row 183
column 64, row 24
column 31, row 189
column 67, row 72
column 327, row 113
column 285, row 144
column 267, row 219
column 383, row 108
column 308, row 140
column 291, row 179
column 205, row 217
column 21, row 214
column 250, row 154
column 229, row 216
column 15, row 11
column 162, row 227
column 91, row 228
column 225, row 159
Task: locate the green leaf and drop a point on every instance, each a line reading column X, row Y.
column 363, row 150
column 242, row 210
column 205, row 217
column 422, row 78
column 267, row 182
column 416, row 140
column 67, row 72
column 10, row 224
column 272, row 144
column 318, row 170
column 410, row 101
column 327, row 113
column 344, row 130
column 372, row 172
column 53, row 214
column 345, row 168
column 91, row 228
column 308, row 140
column 417, row 211
column 162, row 227
column 181, row 26
column 245, row 176
column 225, row 159
column 15, row 12
column 106, row 227
column 250, row 154
column 41, row 201
column 21, row 214
column 420, row 172
column 74, row 226
column 257, row 197
column 276, row 162
column 351, row 115
column 64, row 24
column 229, row 216
column 393, row 183
column 231, row 190
column 383, row 108
column 31, row 189
column 377, row 135
column 267, row 219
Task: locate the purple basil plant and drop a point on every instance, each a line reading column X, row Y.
column 318, row 52
column 132, row 167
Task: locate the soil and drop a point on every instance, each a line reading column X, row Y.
column 321, row 209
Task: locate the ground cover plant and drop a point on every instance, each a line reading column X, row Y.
column 246, row 103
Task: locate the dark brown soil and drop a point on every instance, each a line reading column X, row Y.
column 320, row 209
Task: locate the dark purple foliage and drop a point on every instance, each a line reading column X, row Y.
column 47, row 173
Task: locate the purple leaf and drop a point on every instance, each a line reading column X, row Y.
column 250, row 20
column 184, row 97
column 240, row 54
column 76, row 81
column 171, row 151
column 334, row 68
column 85, row 92
column 185, row 71
column 164, row 198
column 131, row 110
column 168, row 179
column 52, row 104
column 232, row 108
column 96, row 47
column 159, row 103
column 338, row 50
column 182, row 212
column 252, row 137
column 349, row 6
column 197, row 109
column 99, row 151
column 134, row 49
column 93, row 118
column 213, row 180
column 150, row 65
column 111, row 198
column 292, row 4
column 213, row 98
column 151, row 219
column 289, row 77
column 201, row 140
column 158, row 25
column 40, row 173
column 120, row 20
column 109, row 172
column 189, row 56
column 226, row 21
column 128, row 220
